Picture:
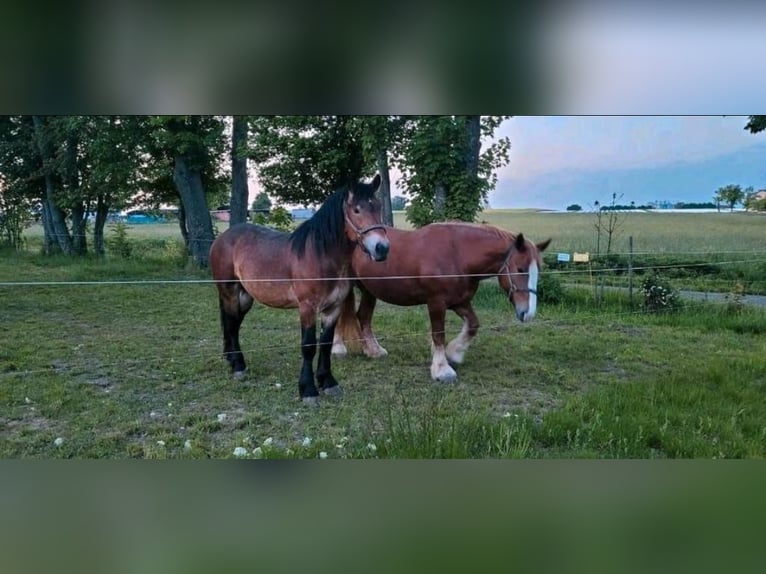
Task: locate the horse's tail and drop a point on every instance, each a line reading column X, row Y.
column 347, row 329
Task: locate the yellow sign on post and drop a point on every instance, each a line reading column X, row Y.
column 581, row 257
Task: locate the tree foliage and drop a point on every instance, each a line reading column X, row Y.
column 756, row 124
column 731, row 195
column 262, row 202
column 398, row 203
column 303, row 159
column 444, row 173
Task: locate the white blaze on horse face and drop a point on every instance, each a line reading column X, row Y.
column 532, row 285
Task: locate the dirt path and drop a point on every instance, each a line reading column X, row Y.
column 759, row 300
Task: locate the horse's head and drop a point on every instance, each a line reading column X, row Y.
column 364, row 224
column 519, row 273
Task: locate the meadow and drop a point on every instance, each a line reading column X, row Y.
column 131, row 366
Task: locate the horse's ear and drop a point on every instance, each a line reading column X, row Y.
column 375, row 183
column 543, row 245
column 350, row 196
column 520, row 244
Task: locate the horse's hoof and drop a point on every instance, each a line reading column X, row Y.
column 335, row 392
column 339, row 351
column 311, row 401
column 239, row 375
column 446, row 378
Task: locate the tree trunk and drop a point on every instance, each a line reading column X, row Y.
column 79, row 217
column 78, row 214
column 473, row 145
column 182, row 224
column 385, row 187
column 56, row 216
column 440, row 202
column 200, row 227
column 50, row 243
column 102, row 210
column 239, row 189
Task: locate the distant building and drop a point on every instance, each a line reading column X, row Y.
column 302, row 213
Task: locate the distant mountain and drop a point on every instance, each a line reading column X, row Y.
column 694, row 181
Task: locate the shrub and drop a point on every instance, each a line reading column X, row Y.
column 118, row 243
column 658, row 295
column 549, row 289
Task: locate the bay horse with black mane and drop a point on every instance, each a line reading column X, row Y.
column 307, row 269
column 440, row 265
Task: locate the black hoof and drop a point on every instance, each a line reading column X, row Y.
column 239, row 375
column 311, row 401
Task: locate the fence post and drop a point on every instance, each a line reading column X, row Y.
column 630, row 270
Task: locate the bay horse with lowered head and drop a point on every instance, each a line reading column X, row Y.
column 440, row 265
column 307, row 269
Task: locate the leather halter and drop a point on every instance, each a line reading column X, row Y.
column 360, row 232
column 507, row 267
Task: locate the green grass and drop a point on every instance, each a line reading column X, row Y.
column 134, row 370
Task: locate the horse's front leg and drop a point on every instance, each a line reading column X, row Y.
column 306, row 388
column 327, row 383
column 366, row 308
column 459, row 345
column 440, row 368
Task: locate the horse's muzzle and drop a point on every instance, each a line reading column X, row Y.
column 381, row 251
column 376, row 247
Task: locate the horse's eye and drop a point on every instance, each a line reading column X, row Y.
column 357, row 210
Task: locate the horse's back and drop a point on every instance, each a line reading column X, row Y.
column 245, row 243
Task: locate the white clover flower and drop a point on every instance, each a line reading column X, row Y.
column 306, row 441
column 506, row 415
column 221, row 417
column 323, row 455
column 59, row 441
column 371, row 446
column 240, row 452
column 27, row 400
column 278, row 385
column 268, row 441
column 258, row 452
column 160, row 443
column 153, row 414
column 187, row 445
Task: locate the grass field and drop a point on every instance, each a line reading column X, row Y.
column 134, row 370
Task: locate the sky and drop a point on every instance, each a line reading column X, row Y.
column 693, row 153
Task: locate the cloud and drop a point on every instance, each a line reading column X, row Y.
column 541, row 145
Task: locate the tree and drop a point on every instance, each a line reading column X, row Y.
column 756, row 124
column 730, row 194
column 398, row 203
column 444, row 171
column 753, row 203
column 239, row 189
column 609, row 221
column 303, row 159
column 574, row 207
column 262, row 202
column 194, row 145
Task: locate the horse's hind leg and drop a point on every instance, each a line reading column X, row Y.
column 459, row 345
column 366, row 308
column 440, row 368
column 234, row 303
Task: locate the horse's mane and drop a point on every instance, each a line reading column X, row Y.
column 326, row 228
